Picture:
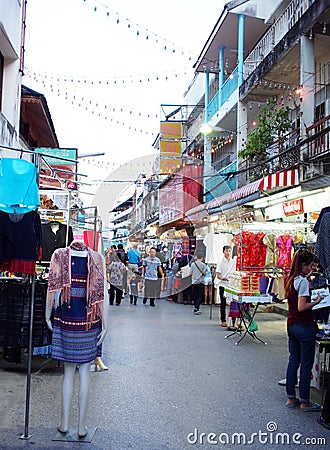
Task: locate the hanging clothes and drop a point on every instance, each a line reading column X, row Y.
column 18, row 186
column 71, row 342
column 20, row 241
column 322, row 246
column 284, row 248
column 15, row 305
column 270, row 241
column 319, row 219
column 53, row 237
column 80, row 280
column 214, row 243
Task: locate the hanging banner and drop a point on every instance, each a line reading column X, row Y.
column 171, row 130
column 64, row 170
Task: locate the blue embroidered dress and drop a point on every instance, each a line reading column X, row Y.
column 71, row 341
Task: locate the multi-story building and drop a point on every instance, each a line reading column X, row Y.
column 12, row 15
column 262, row 51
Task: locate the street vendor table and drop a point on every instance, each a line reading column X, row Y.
column 241, row 300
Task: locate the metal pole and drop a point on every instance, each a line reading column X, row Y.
column 26, row 434
column 68, row 219
column 95, row 220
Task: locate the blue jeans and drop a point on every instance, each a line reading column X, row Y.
column 302, row 351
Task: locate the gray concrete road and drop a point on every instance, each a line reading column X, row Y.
column 174, row 382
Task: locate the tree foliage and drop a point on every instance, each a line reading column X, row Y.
column 272, row 125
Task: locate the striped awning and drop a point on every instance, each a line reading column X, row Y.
column 285, row 179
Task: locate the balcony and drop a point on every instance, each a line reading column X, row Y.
column 290, row 16
column 284, row 154
column 319, row 145
column 275, row 34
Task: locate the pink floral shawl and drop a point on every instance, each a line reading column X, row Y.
column 60, row 279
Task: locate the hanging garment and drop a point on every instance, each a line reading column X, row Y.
column 89, row 239
column 20, row 243
column 52, row 240
column 270, row 241
column 15, row 305
column 71, row 341
column 60, row 280
column 284, row 246
column 18, row 186
column 319, row 219
column 322, row 246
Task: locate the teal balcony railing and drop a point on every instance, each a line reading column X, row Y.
column 228, row 88
column 213, row 106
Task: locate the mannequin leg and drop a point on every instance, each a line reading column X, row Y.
column 84, row 370
column 67, row 391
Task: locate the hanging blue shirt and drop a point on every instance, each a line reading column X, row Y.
column 18, row 186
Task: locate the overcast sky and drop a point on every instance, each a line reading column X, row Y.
column 88, row 57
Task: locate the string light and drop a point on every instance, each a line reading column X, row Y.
column 101, row 8
column 64, row 78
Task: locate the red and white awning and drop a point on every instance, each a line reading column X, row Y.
column 287, row 178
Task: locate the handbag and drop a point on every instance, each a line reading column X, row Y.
column 185, row 271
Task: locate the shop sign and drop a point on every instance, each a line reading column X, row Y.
column 55, row 164
column 71, row 185
column 171, row 130
column 293, row 207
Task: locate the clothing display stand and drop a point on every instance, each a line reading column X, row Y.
column 37, row 158
column 71, row 436
column 26, row 434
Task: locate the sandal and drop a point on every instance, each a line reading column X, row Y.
column 293, row 404
column 314, row 408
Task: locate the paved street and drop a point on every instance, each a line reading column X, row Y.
column 171, row 374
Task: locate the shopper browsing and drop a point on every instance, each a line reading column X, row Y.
column 225, row 267
column 302, row 331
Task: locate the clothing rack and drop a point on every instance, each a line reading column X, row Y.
column 37, row 159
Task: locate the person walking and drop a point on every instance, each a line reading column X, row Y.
column 224, row 268
column 134, row 257
column 198, row 271
column 302, row 330
column 117, row 270
column 133, row 288
column 185, row 285
column 150, row 269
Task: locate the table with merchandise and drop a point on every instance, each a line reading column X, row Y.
column 243, row 289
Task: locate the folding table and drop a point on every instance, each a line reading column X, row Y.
column 241, row 300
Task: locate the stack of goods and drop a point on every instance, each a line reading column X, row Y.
column 243, row 283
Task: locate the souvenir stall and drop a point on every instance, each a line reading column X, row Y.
column 21, row 300
column 264, row 253
column 33, row 224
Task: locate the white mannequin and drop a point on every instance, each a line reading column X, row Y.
column 84, row 369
